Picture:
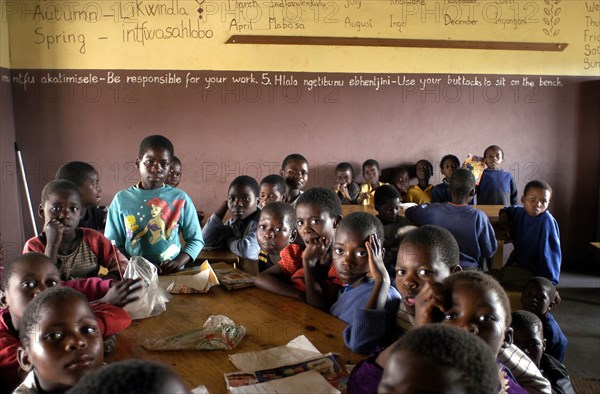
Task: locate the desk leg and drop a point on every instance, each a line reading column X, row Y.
column 498, row 259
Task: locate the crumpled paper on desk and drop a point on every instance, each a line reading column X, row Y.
column 219, row 332
column 189, row 282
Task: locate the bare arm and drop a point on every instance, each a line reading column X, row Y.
column 273, row 279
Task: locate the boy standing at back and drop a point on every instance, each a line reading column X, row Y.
column 294, row 169
column 145, row 219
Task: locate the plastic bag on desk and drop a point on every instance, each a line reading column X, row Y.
column 152, row 299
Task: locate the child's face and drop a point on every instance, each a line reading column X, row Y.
column 350, row 256
column 415, row 266
column 241, row 201
column 312, row 222
column 154, row 167
column 91, row 191
column 531, row 341
column 536, row 299
column 402, row 181
column 477, row 310
column 448, row 168
column 174, row 175
column 63, row 206
column 295, row 174
column 274, row 232
column 536, row 201
column 493, row 158
column 388, row 212
column 27, row 281
column 344, row 177
column 65, row 345
column 269, row 194
column 423, row 170
column 371, row 174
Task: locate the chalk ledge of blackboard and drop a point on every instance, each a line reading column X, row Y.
column 397, row 43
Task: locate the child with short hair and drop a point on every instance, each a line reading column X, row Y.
column 272, row 188
column 528, row 335
column 85, row 176
column 345, row 187
column 371, row 173
column 496, row 186
column 174, row 176
column 77, row 252
column 540, row 297
column 421, row 192
column 440, row 192
column 276, row 230
column 401, row 181
column 471, row 227
column 60, row 341
column 238, row 234
column 145, row 219
column 367, row 302
column 294, row 169
column 440, row 359
column 535, row 236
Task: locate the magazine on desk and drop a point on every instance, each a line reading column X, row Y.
column 232, row 278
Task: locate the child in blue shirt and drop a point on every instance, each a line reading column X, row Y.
column 145, row 219
column 496, row 186
column 440, row 192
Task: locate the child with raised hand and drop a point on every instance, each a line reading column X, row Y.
column 60, row 342
column 174, row 176
column 496, row 186
column 294, row 169
column 308, row 274
column 421, row 192
column 367, row 302
column 345, row 187
column 276, row 230
column 528, row 335
column 535, row 236
column 440, row 359
column 440, row 192
column 540, row 297
column 238, row 234
column 77, row 252
column 272, row 189
column 85, row 176
column 145, row 219
column 371, row 173
column 401, row 181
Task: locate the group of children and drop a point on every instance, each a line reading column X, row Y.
column 382, row 275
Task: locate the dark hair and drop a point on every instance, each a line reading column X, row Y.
column 370, row 162
column 344, row 166
column 75, row 171
column 462, row 183
column 156, row 141
column 428, row 163
column 526, row 320
column 438, row 239
column 33, row 311
column 493, row 147
column 292, row 156
column 129, row 376
column 384, row 194
column 246, row 180
column 277, row 181
column 287, row 212
column 454, row 349
column 363, row 223
column 399, row 170
column 451, row 158
column 326, row 199
column 176, row 161
column 537, row 184
column 484, row 281
column 9, row 266
column 545, row 284
column 59, row 185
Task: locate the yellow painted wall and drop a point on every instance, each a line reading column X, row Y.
column 107, row 34
column 4, row 44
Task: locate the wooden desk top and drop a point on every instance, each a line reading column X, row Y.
column 271, row 320
column 217, row 256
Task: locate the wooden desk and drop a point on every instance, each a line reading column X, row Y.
column 216, row 256
column 348, row 209
column 271, row 320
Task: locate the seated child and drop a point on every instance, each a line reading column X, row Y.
column 77, row 252
column 471, row 227
column 421, row 192
column 174, row 176
column 371, row 173
column 272, row 189
column 440, row 192
column 345, row 187
column 276, row 230
column 535, row 236
column 528, row 335
column 387, row 205
column 145, row 219
column 401, row 181
column 540, row 297
column 440, row 359
column 131, row 377
column 496, row 186
column 28, row 275
column 60, row 341
column 294, row 169
column 238, row 234
column 308, row 274
column 86, row 178
column 367, row 302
